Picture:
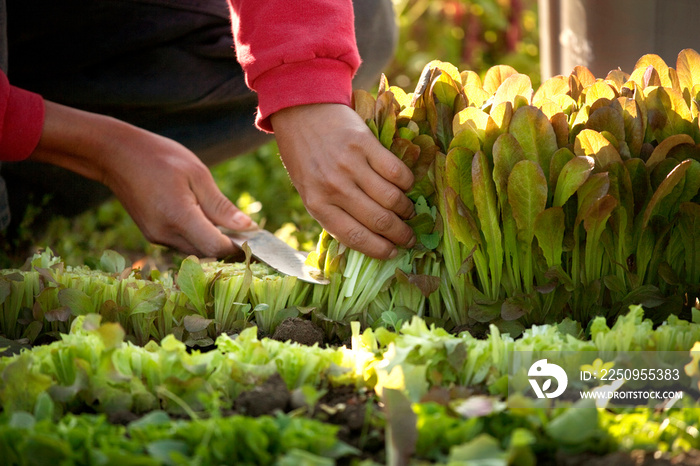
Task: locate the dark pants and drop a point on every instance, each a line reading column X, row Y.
column 168, row 66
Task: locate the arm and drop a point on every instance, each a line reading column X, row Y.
column 300, row 58
column 166, row 189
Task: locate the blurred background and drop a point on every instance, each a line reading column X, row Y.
column 471, row 34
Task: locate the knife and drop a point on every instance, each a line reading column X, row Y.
column 271, row 250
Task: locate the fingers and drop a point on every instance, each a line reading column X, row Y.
column 389, row 167
column 350, row 232
column 217, row 207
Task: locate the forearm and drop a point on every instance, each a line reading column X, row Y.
column 80, row 141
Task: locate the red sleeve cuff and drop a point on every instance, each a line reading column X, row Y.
column 21, row 125
column 328, row 80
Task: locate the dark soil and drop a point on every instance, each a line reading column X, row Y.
column 300, row 331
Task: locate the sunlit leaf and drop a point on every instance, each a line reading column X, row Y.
column 554, row 86
column 608, row 119
column 573, row 175
column 688, row 69
column 514, row 85
column 472, row 117
column 659, row 66
column 495, row 76
column 363, row 103
column 662, row 150
column 597, row 91
column 593, row 144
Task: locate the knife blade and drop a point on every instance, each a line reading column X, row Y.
column 271, row 250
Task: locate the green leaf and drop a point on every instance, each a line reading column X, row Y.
column 506, row 153
column 148, row 299
column 576, row 425
column 458, row 174
column 549, row 230
column 527, row 195
column 486, row 203
column 675, row 177
column 76, row 300
column 534, row 132
column 193, row 283
column 483, row 450
column 460, row 220
column 559, row 159
column 402, row 432
column 112, row 262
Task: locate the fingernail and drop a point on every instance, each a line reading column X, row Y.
column 394, row 252
column 242, row 220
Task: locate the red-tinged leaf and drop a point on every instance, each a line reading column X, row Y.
column 535, row 134
column 665, row 188
column 665, row 146
column 406, row 151
column 363, row 103
column 195, row 323
column 76, row 300
column 527, row 195
column 658, row 76
column 598, row 213
column 485, row 312
column 668, row 113
column 595, row 187
column 593, row 144
column 549, row 231
column 573, row 175
column 61, row 314
column 514, row 308
column 634, row 124
column 460, row 221
column 609, row 119
column 641, row 185
column 427, row 284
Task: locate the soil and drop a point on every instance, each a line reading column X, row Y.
column 300, row 331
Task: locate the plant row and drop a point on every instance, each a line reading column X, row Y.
column 420, row 374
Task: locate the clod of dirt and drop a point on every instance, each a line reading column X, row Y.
column 271, row 396
column 299, row 331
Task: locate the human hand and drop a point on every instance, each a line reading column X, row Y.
column 167, row 190
column 348, row 181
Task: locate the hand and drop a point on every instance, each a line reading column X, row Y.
column 167, row 190
column 348, row 181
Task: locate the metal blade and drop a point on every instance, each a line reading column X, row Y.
column 274, row 252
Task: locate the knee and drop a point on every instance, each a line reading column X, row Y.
column 375, row 28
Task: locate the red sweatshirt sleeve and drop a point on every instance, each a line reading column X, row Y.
column 21, row 121
column 295, row 52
